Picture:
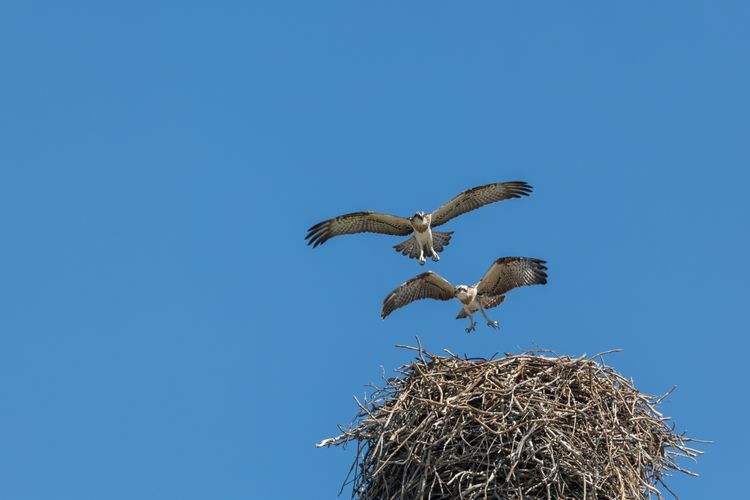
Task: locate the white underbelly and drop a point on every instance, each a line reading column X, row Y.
column 471, row 307
column 423, row 238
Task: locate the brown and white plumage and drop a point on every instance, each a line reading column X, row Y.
column 358, row 222
column 477, row 197
column 488, row 302
column 411, row 247
column 503, row 275
column 424, row 242
column 507, row 273
column 424, row 286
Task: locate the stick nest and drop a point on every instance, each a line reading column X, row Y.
column 519, row 427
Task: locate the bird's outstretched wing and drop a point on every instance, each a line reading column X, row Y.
column 424, row 286
column 508, row 273
column 488, row 302
column 479, row 196
column 357, row 222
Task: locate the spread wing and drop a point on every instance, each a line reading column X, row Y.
column 508, row 273
column 357, row 222
column 424, row 286
column 476, row 197
column 488, row 302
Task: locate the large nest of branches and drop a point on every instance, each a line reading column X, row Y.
column 527, row 426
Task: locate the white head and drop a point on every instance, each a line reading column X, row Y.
column 462, row 292
column 419, row 216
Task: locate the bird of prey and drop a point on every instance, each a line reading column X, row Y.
column 423, row 242
column 503, row 275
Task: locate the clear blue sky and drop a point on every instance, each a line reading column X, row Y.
column 166, row 333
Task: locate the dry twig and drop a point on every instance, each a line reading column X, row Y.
column 519, row 427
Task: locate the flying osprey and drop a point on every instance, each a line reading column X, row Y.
column 503, row 275
column 424, row 241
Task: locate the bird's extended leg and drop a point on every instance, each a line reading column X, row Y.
column 419, row 239
column 435, row 256
column 493, row 324
column 472, row 323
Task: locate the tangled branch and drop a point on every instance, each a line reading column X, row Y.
column 524, row 426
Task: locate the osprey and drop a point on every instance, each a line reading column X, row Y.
column 503, row 275
column 423, row 241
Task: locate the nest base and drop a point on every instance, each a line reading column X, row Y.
column 524, row 426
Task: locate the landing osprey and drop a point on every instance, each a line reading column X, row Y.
column 503, row 275
column 424, row 241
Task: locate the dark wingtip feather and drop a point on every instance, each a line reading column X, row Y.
column 520, row 188
column 541, row 264
column 386, row 309
column 540, row 271
column 318, row 234
column 315, row 227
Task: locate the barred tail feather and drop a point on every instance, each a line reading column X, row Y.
column 410, row 247
column 441, row 239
